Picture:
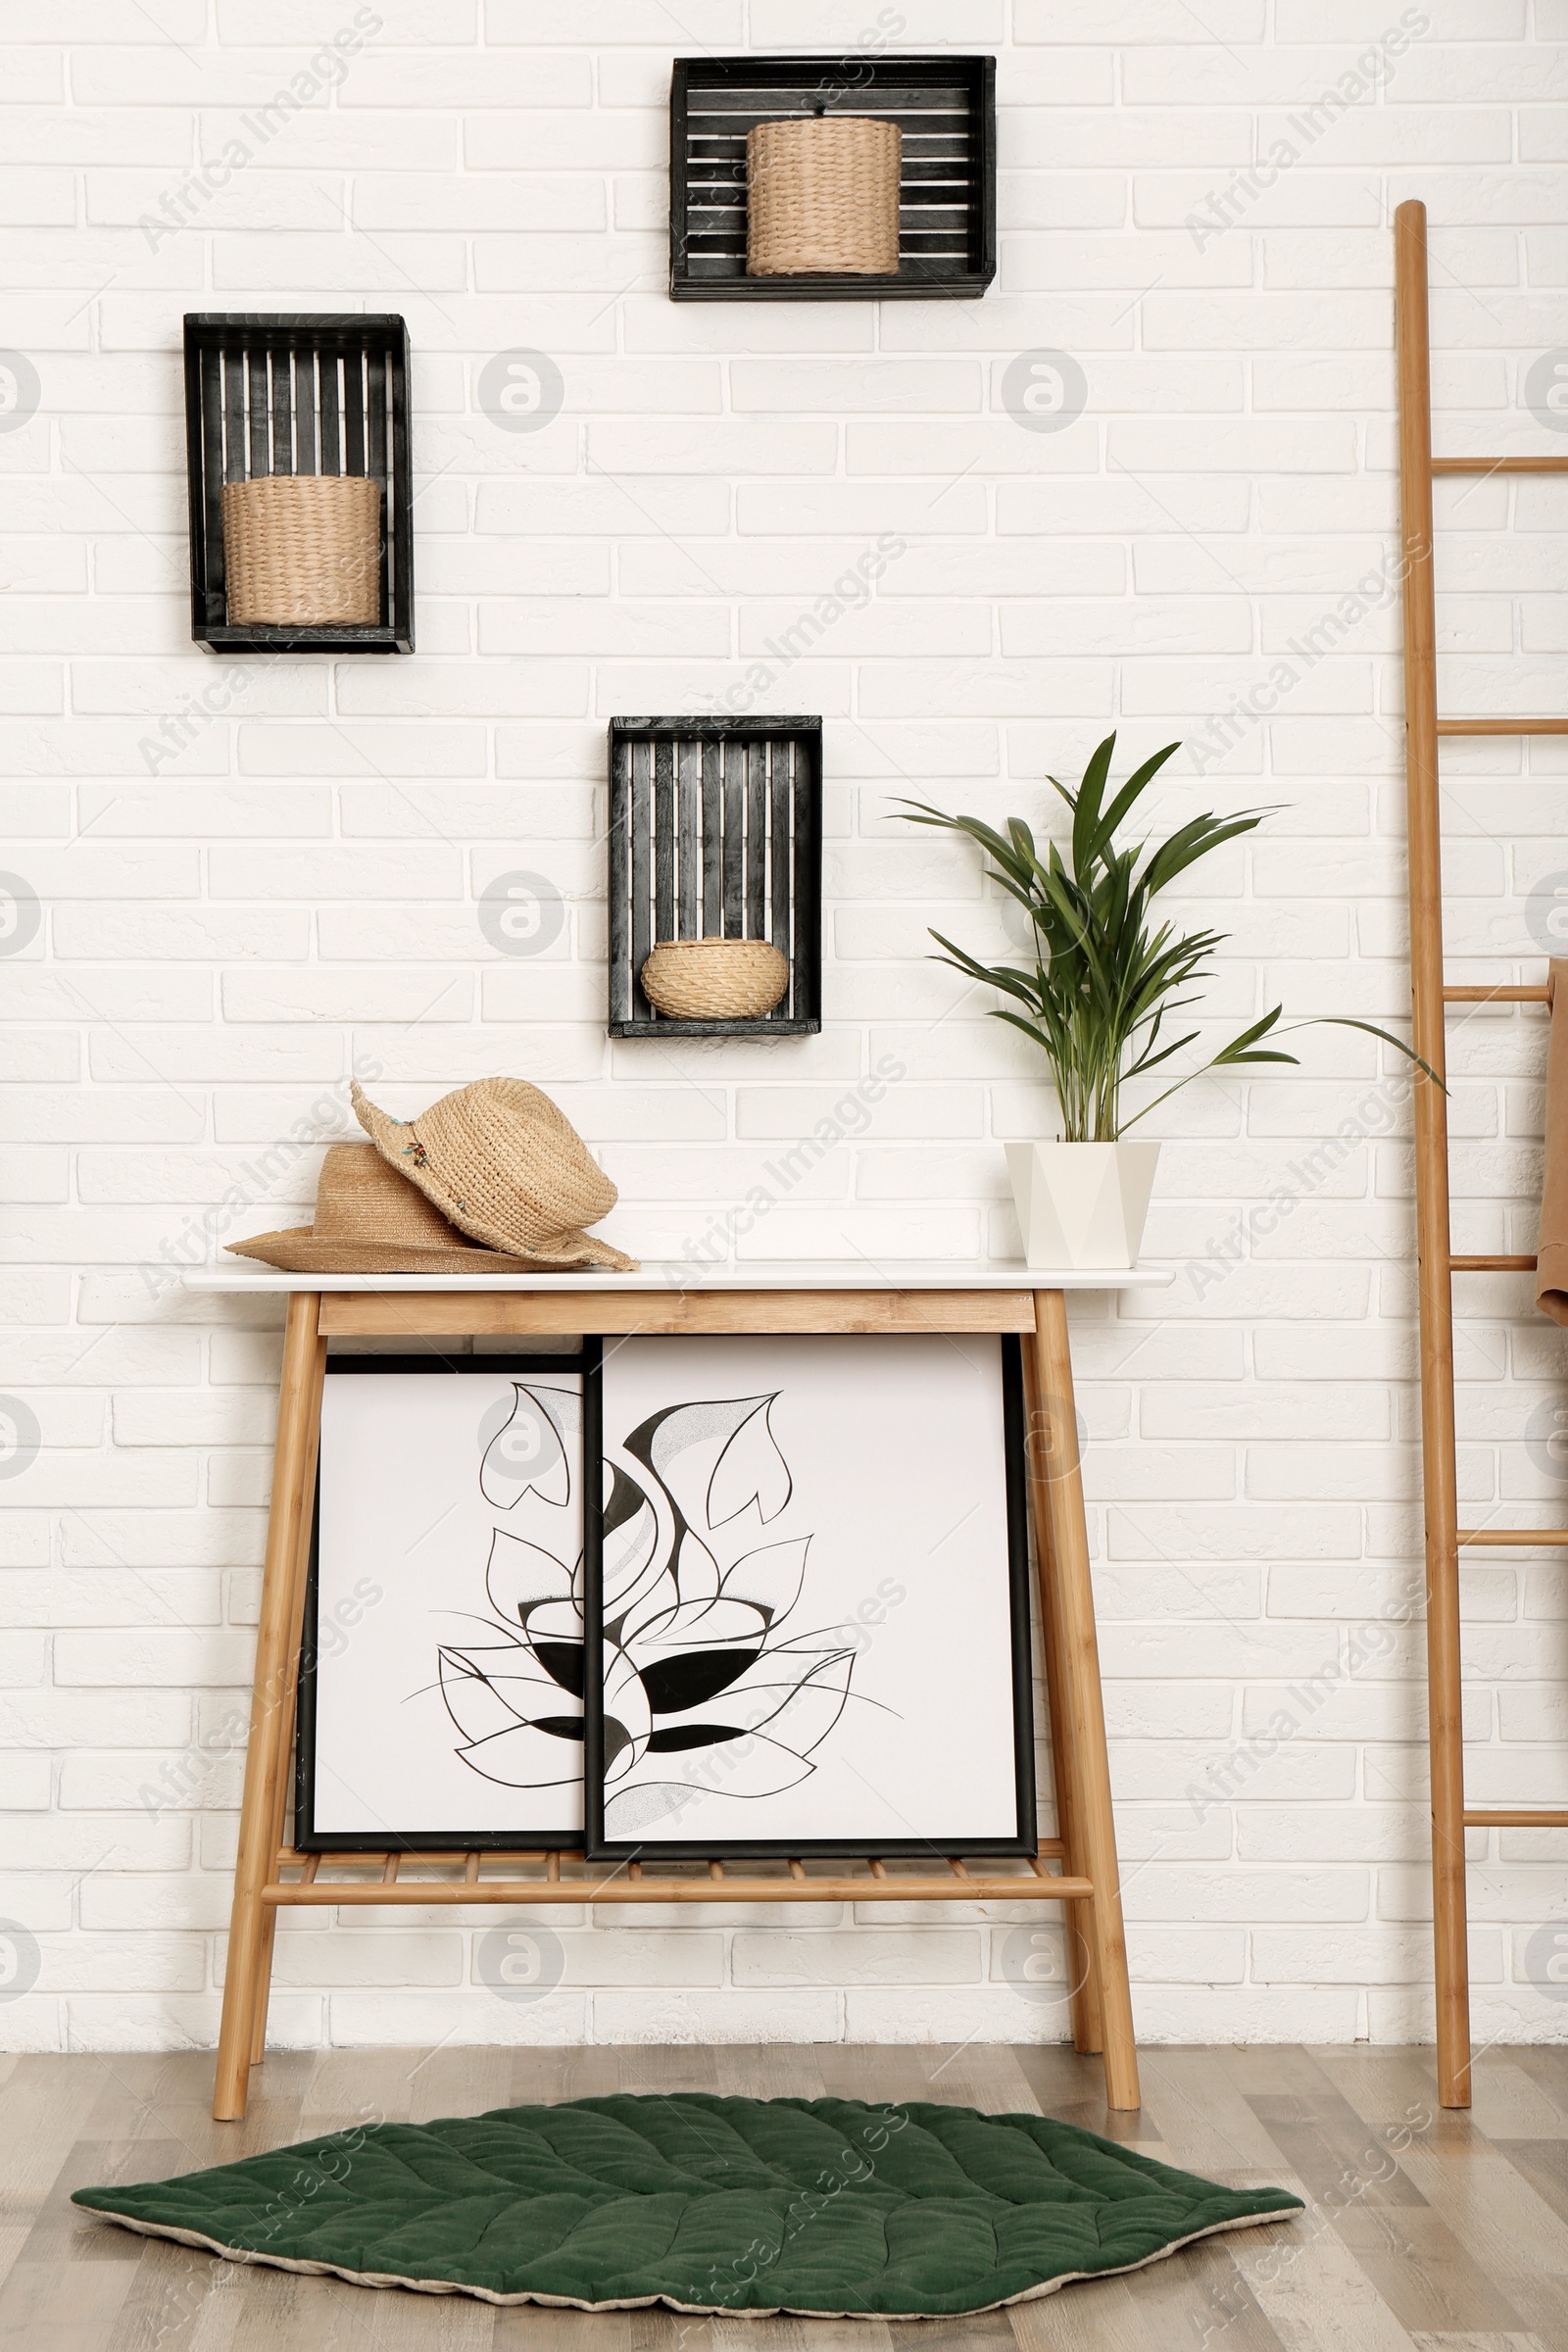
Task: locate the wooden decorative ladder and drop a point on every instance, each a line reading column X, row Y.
column 1436, row 1261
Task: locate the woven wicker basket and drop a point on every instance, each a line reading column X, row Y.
column 302, row 547
column 823, row 194
column 714, row 979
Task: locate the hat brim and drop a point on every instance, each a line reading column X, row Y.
column 299, row 1250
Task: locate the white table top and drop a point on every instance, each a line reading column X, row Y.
column 771, row 1274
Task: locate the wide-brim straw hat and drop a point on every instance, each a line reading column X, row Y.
column 368, row 1221
column 504, row 1165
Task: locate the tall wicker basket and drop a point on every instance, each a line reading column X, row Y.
column 303, row 548
column 822, row 195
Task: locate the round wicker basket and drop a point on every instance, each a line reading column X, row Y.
column 714, row 979
column 823, row 194
column 302, row 547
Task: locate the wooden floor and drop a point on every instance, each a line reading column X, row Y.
column 1423, row 2228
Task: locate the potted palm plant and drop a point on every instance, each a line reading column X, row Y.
column 1106, row 977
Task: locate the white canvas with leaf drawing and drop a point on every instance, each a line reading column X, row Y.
column 441, row 1701
column 807, row 1598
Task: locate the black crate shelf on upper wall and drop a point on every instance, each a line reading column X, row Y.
column 715, row 831
column 946, row 108
column 298, row 393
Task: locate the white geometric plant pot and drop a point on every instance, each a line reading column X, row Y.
column 1082, row 1204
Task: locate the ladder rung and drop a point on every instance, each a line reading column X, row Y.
column 1513, row 1534
column 1502, row 726
column 1517, row 1816
column 1492, row 1265
column 1499, row 464
column 1533, row 994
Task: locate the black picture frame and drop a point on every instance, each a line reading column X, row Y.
column 307, row 1838
column 1023, row 1840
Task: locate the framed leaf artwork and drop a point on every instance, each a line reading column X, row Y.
column 441, row 1671
column 806, row 1599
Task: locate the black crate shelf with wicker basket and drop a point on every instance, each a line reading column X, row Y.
column 946, row 108
column 299, row 396
column 715, row 832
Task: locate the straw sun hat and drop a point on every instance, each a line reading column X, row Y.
column 504, row 1165
column 524, row 1173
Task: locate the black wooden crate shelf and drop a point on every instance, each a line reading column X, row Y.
column 715, row 831
column 945, row 107
column 298, row 393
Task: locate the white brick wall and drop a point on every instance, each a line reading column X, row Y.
column 234, row 913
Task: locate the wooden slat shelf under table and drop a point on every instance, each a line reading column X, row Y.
column 591, row 1883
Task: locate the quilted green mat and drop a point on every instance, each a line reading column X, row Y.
column 824, row 2207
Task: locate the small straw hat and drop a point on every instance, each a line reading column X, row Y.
column 368, row 1221
column 504, row 1165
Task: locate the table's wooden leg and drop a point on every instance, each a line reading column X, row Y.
column 263, row 1758
column 1078, row 1921
column 1080, row 1671
column 302, row 1563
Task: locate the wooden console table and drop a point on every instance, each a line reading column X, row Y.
column 777, row 1298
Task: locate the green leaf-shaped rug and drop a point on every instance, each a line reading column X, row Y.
column 819, row 2206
